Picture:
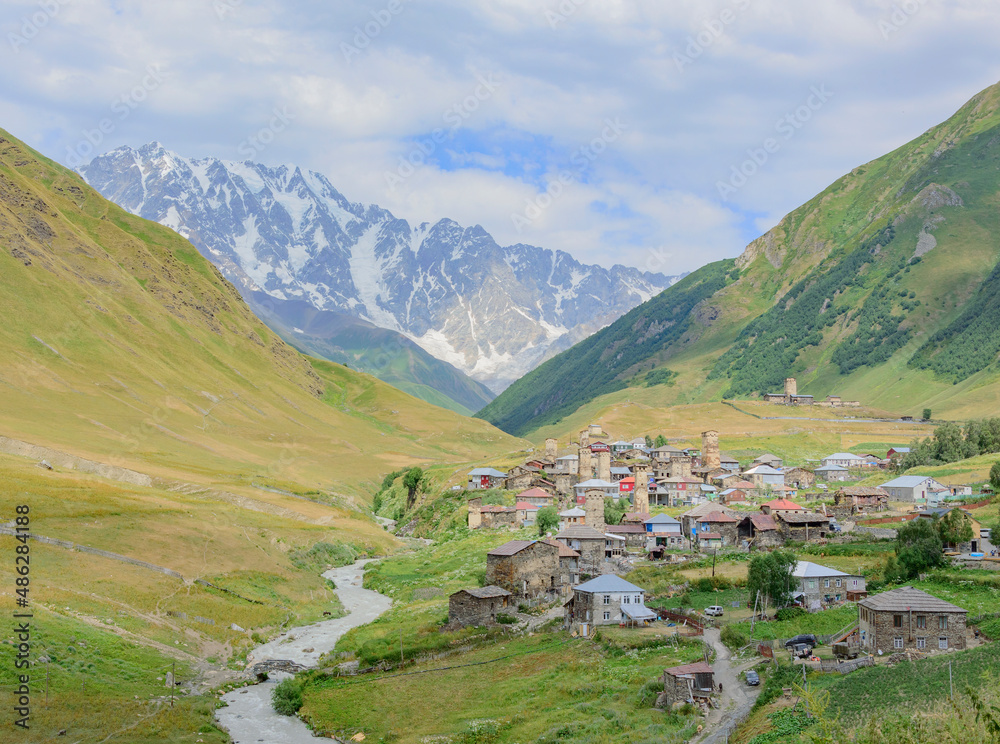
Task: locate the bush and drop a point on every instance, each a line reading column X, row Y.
column 733, row 637
column 649, row 692
column 287, row 697
column 504, row 619
column 789, row 613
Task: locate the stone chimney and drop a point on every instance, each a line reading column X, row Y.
column 710, row 450
column 640, row 495
column 551, row 449
column 584, row 438
column 594, row 507
column 476, row 513
column 791, row 387
column 586, row 464
column 604, row 466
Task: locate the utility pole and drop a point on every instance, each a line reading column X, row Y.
column 714, row 553
column 173, row 676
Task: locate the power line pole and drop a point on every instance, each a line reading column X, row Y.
column 173, row 679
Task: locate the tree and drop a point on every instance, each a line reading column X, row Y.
column 771, row 575
column 661, row 441
column 649, row 441
column 287, row 697
column 411, row 481
column 546, row 519
column 614, row 510
column 918, row 548
column 927, row 414
column 954, row 527
column 995, row 477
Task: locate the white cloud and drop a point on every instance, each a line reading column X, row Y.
column 564, row 66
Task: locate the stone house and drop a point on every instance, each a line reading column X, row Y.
column 568, row 464
column 526, row 513
column 799, row 477
column 521, row 477
column 819, row 586
column 760, row 531
column 804, row 526
column 569, row 565
column 832, row 473
column 595, row 484
column 536, row 497
column 780, row 506
column 689, row 519
column 478, row 606
column 482, row 478
column 681, row 684
column 525, row 568
column 732, row 496
column 663, row 531
column 721, row 524
column 608, row 600
column 911, row 487
column 764, row 477
column 569, row 517
column 633, row 534
column 861, row 498
column 589, row 543
column 768, row 459
column 845, row 460
column 491, row 516
column 970, row 546
column 907, row 618
column 676, row 491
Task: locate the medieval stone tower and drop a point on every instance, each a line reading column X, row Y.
column 584, row 438
column 604, row 465
column 551, row 449
column 586, row 464
column 640, row 496
column 475, row 513
column 710, row 450
column 791, row 387
column 594, row 507
column 680, row 466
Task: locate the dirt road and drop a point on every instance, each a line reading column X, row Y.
column 737, row 698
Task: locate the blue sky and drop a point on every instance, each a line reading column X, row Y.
column 606, row 128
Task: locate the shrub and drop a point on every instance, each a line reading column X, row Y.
column 287, row 697
column 733, row 637
column 789, row 613
column 649, row 692
column 504, row 619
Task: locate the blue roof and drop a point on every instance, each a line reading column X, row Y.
column 830, row 469
column 660, row 519
column 607, row 583
column 488, row 471
column 907, row 481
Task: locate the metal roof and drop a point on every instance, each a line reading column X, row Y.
column 574, row 512
column 638, row 612
column 907, row 598
column 595, row 483
column 485, row 592
column 607, row 583
column 807, row 570
column 801, row 518
column 512, row 548
column 907, row 481
column 717, row 516
column 661, row 519
column 830, row 469
column 580, row 532
column 534, row 493
column 698, row 667
column 843, row 456
column 488, row 471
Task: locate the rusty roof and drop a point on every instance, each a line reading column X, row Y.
column 717, row 516
column 763, row 522
column 512, row 548
column 802, row 518
column 564, row 550
column 626, row 529
column 698, row 667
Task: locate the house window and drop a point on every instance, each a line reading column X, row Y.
column 607, row 599
column 812, row 583
column 826, row 583
column 897, row 642
column 921, row 642
column 943, row 622
column 943, row 643
column 854, row 583
column 838, row 583
column 638, row 599
column 625, row 599
column 897, row 621
column 607, row 615
column 921, row 621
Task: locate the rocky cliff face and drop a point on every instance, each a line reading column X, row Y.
column 494, row 312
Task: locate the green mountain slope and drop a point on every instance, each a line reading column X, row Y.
column 121, row 343
column 387, row 355
column 881, row 288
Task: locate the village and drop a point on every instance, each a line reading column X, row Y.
column 670, row 506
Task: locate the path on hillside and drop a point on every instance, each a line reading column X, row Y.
column 249, row 717
column 737, row 698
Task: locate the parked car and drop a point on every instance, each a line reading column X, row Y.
column 807, row 638
column 802, row 650
column 714, row 611
column 752, row 679
column 834, row 526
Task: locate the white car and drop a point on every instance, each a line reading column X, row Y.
column 713, row 611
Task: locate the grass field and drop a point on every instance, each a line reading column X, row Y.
column 548, row 688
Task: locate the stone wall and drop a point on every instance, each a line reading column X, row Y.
column 464, row 609
column 879, row 631
column 528, row 573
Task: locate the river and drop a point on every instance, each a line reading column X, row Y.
column 248, row 716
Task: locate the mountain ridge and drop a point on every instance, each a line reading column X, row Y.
column 492, row 311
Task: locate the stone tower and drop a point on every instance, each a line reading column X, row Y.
column 476, row 513
column 586, row 464
column 594, row 507
column 680, row 466
column 551, row 449
column 604, row 465
column 710, row 450
column 640, row 495
column 595, row 430
column 791, row 387
column 584, row 438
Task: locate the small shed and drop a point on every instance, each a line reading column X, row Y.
column 477, row 606
column 683, row 683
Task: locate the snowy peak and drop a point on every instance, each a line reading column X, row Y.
column 494, row 312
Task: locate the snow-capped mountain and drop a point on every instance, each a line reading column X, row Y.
column 495, row 312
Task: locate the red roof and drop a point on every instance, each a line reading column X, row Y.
column 565, row 551
column 525, row 505
column 534, row 493
column 742, row 484
column 709, row 536
column 782, row 505
column 763, row 522
column 698, row 667
column 717, row 516
column 493, row 509
column 630, row 479
column 626, row 529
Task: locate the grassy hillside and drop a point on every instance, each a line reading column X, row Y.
column 388, row 355
column 880, row 289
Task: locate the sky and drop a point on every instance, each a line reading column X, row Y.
column 662, row 134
